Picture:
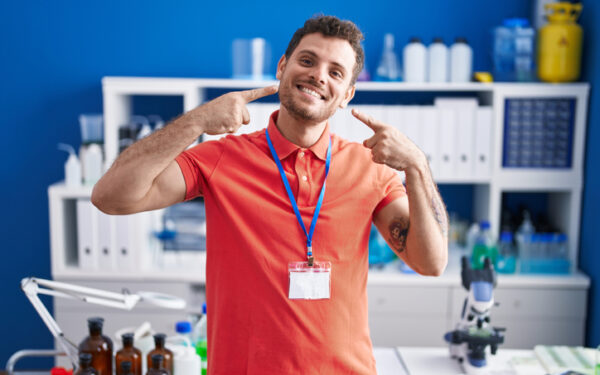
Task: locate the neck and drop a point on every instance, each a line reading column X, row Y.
column 300, row 132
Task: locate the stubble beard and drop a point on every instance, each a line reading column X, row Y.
column 301, row 113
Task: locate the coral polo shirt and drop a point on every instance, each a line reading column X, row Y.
column 252, row 235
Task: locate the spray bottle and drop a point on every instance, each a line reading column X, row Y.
column 72, row 166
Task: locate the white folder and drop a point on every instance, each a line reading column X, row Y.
column 106, row 241
column 483, row 142
column 428, row 124
column 360, row 131
column 410, row 123
column 124, row 242
column 86, row 233
column 446, row 139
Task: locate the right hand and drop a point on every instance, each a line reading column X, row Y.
column 228, row 112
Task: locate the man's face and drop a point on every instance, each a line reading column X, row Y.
column 315, row 80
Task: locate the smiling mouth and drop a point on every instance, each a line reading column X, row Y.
column 310, row 92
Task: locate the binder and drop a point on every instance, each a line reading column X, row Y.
column 483, row 142
column 361, row 131
column 124, row 245
column 446, row 137
column 105, row 238
column 428, row 124
column 410, row 123
column 86, row 233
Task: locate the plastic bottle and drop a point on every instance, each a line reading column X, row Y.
column 513, row 50
column 506, row 261
column 85, row 365
column 92, row 164
column 130, row 354
column 125, row 368
column 157, row 366
column 415, row 61
column 184, row 329
column 202, row 339
column 524, row 237
column 157, row 121
column 72, row 166
column 185, row 359
column 437, row 61
column 166, row 354
column 461, row 61
column 484, row 246
column 99, row 346
column 389, row 67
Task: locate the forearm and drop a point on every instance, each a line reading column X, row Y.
column 427, row 236
column 131, row 176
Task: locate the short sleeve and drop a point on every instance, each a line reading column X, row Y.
column 392, row 187
column 198, row 164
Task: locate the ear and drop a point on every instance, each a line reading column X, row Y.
column 280, row 67
column 349, row 95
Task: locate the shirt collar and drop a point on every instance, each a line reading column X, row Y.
column 284, row 147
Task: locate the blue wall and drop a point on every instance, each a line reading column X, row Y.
column 53, row 55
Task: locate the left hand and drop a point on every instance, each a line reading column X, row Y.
column 389, row 146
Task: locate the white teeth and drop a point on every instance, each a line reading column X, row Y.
column 310, row 92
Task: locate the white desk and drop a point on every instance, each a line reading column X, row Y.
column 437, row 361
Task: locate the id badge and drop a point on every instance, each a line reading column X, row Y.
column 308, row 282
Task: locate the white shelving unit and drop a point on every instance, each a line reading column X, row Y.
column 563, row 186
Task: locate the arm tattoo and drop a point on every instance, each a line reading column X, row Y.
column 398, row 232
column 439, row 211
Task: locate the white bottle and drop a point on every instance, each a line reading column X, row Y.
column 185, row 359
column 92, row 164
column 72, row 166
column 461, row 61
column 437, row 61
column 415, row 61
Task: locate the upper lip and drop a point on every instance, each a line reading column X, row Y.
column 313, row 88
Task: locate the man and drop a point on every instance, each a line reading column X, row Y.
column 282, row 299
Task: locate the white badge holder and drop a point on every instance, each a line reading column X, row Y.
column 310, row 282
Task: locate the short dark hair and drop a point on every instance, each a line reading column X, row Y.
column 333, row 27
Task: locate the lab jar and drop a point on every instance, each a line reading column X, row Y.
column 91, row 128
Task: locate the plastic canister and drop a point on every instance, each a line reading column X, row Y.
column 72, row 166
column 185, row 359
column 415, row 61
column 559, row 44
column 92, row 163
column 514, row 51
column 461, row 61
column 437, row 61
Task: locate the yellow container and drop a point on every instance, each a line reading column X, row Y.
column 559, row 43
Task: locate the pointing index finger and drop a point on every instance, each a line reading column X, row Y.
column 368, row 120
column 252, row 95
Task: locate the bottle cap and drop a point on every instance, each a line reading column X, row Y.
column 415, row 39
column 95, row 323
column 204, row 308
column 506, row 236
column 85, row 359
column 460, row 39
column 484, row 224
column 126, row 367
column 438, row 40
column 183, row 327
column 127, row 339
column 157, row 359
column 159, row 339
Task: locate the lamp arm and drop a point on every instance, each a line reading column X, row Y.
column 30, row 288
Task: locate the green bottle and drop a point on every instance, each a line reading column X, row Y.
column 484, row 247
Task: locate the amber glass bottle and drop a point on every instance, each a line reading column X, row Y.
column 99, row 346
column 125, row 368
column 129, row 353
column 157, row 367
column 159, row 348
column 85, row 365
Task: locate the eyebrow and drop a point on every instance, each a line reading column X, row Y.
column 309, row 52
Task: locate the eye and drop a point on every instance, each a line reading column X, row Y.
column 337, row 74
column 305, row 61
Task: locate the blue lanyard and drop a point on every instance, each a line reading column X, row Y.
column 286, row 183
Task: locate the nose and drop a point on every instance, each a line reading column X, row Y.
column 319, row 74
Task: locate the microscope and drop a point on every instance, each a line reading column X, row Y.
column 473, row 333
